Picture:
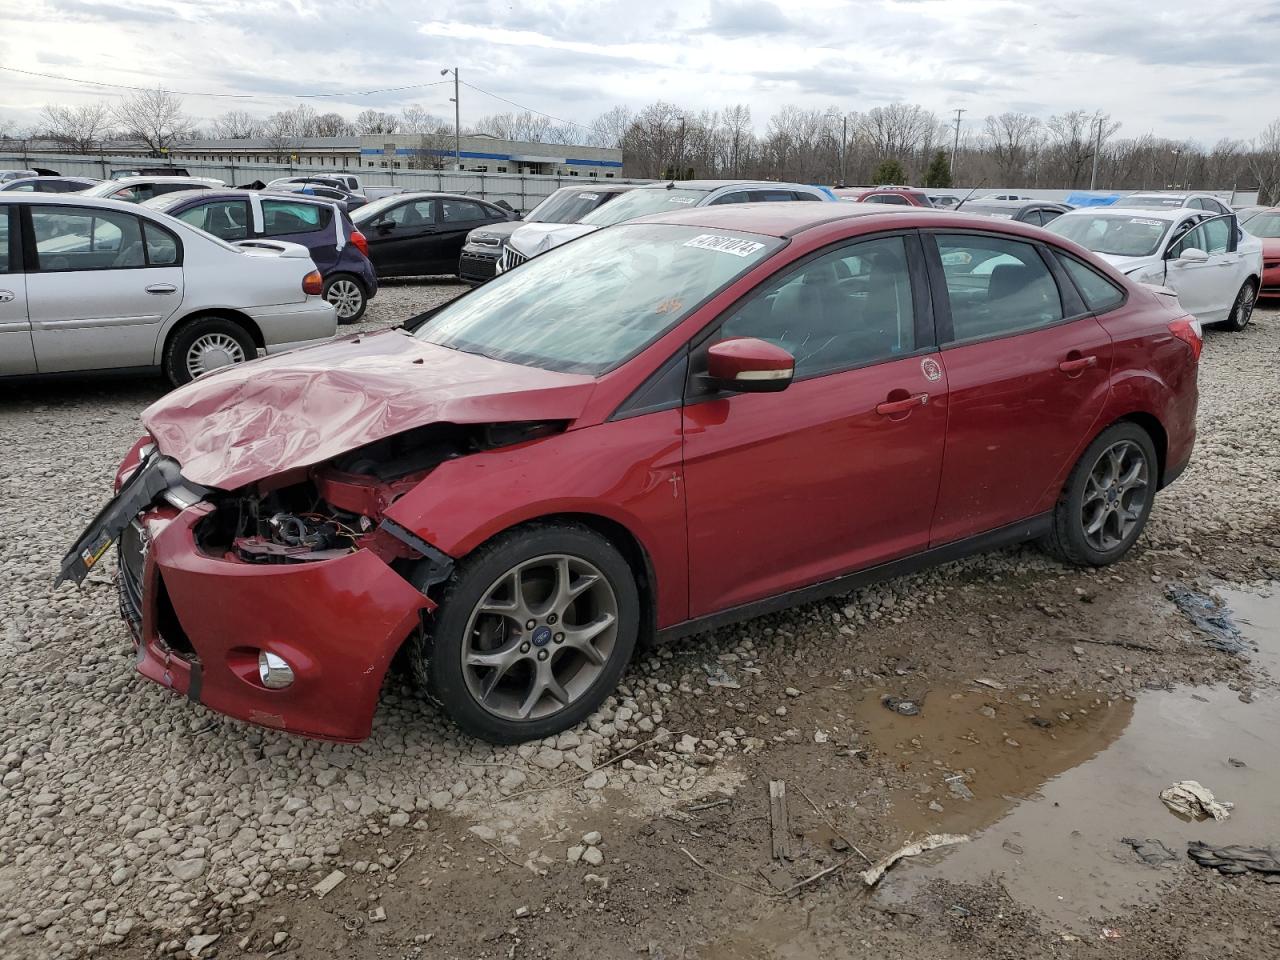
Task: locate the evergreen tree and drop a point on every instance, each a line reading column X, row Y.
column 939, row 172
column 889, row 173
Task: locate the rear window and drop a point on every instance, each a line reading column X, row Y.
column 567, row 206
column 642, row 202
column 282, row 217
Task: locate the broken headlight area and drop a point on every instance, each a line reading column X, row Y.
column 337, row 507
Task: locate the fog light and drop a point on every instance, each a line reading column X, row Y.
column 274, row 671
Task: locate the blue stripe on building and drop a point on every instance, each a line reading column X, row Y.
column 475, row 155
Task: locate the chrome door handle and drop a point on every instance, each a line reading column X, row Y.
column 162, row 288
column 6, row 296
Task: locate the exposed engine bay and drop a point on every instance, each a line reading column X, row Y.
column 335, row 508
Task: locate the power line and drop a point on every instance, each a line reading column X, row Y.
column 233, row 96
column 523, row 107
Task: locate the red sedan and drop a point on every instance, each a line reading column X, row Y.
column 1265, row 225
column 895, row 196
column 672, row 424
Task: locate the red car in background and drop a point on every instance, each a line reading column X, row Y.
column 900, row 196
column 1265, row 225
column 665, row 426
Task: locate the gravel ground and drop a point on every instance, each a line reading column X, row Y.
column 134, row 824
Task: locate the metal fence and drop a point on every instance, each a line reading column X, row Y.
column 521, row 191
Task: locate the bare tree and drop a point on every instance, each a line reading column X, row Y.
column 1013, row 139
column 739, row 137
column 236, row 125
column 609, row 129
column 416, row 119
column 153, row 116
column 1264, row 162
column 80, row 129
column 1072, row 144
column 332, row 125
column 375, row 121
column 899, row 131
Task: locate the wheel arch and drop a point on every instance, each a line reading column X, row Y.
column 237, row 317
column 1154, row 429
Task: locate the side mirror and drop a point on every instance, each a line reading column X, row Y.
column 1192, row 255
column 749, row 365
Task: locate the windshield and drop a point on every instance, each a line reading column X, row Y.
column 1116, row 234
column 639, row 203
column 589, row 305
column 566, row 206
column 370, row 211
column 1265, row 225
column 1165, row 203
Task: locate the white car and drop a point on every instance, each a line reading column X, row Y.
column 137, row 189
column 1206, row 259
column 1172, row 201
column 89, row 284
column 535, row 238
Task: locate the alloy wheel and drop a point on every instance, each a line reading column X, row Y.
column 346, row 297
column 1244, row 305
column 212, row 351
column 1115, row 495
column 539, row 637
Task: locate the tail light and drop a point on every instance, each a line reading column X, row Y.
column 1187, row 329
column 313, row 284
column 359, row 242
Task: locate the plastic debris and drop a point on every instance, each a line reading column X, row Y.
column 1109, row 934
column 1191, row 799
column 1151, row 852
column 1235, row 860
column 902, row 705
column 328, row 883
column 871, row 876
column 1210, row 618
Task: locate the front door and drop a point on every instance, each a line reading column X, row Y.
column 839, row 471
column 105, row 282
column 1206, row 289
column 1026, row 383
column 16, row 352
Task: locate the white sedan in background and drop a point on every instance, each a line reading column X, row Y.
column 137, row 189
column 1213, row 266
column 89, row 284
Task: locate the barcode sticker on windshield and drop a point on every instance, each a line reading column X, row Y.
column 679, row 199
column 710, row 241
column 1144, row 222
column 588, row 196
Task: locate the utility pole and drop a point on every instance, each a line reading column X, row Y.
column 844, row 150
column 680, row 163
column 955, row 147
column 1097, row 149
column 457, row 119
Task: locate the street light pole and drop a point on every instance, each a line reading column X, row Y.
column 457, row 118
column 1097, row 149
column 955, row 147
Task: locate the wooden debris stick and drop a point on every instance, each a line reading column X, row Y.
column 780, row 830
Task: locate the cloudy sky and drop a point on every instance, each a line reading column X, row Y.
column 1176, row 68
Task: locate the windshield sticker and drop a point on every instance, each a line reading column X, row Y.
column 679, row 199
column 1145, row 222
column 733, row 245
column 588, row 196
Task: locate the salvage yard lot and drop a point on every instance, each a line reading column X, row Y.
column 1055, row 704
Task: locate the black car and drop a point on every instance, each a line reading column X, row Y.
column 1036, row 212
column 415, row 234
column 480, row 254
column 49, row 184
column 348, row 200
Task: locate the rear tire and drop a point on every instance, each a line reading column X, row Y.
column 348, row 297
column 205, row 344
column 517, row 650
column 1107, row 500
column 1242, row 309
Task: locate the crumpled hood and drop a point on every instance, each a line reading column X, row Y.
column 532, row 239
column 254, row 420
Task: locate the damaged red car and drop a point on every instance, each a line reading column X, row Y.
column 659, row 428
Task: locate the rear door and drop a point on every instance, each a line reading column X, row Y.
column 1027, row 371
column 228, row 220
column 16, row 352
column 456, row 218
column 102, row 285
column 310, row 224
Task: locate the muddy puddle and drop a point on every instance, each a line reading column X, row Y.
column 1049, row 816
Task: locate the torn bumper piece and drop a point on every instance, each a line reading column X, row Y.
column 205, row 620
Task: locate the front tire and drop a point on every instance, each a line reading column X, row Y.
column 347, row 295
column 533, row 632
column 203, row 345
column 1107, row 499
column 1242, row 309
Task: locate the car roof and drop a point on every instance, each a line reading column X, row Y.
column 1150, row 213
column 126, row 181
column 710, row 185
column 228, row 193
column 419, row 194
column 785, row 220
column 1012, row 204
column 80, row 200
column 600, row 188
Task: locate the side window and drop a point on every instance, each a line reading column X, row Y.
column 413, row 214
column 71, row 238
column 461, row 211
column 739, row 197
column 29, row 187
column 281, row 217
column 771, row 196
column 846, row 308
column 1217, row 234
column 1194, row 237
column 997, row 286
column 227, row 219
column 1196, row 204
column 4, row 240
column 1047, row 215
column 162, row 246
column 1033, row 217
column 1099, row 293
column 131, row 194
column 889, row 198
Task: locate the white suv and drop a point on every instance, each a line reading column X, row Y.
column 1174, row 201
column 89, row 284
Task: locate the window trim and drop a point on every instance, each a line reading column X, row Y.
column 31, row 257
column 696, row 389
column 146, row 250
column 942, row 296
column 14, row 258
